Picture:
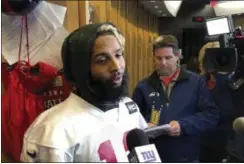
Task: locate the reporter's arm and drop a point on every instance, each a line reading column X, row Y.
column 207, row 117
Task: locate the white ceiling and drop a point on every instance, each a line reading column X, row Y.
column 170, row 8
column 162, row 8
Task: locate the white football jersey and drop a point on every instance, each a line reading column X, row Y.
column 77, row 131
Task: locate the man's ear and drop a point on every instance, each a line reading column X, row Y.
column 178, row 53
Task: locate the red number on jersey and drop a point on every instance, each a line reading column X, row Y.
column 124, row 141
column 106, row 150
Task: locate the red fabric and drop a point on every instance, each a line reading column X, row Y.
column 12, row 104
column 21, row 104
column 39, row 82
column 23, row 99
column 58, row 92
column 167, row 79
column 7, row 77
column 26, row 96
column 211, row 84
column 213, row 3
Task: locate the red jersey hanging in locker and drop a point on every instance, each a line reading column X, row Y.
column 59, row 91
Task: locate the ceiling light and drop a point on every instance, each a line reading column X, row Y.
column 173, row 6
column 231, row 4
column 164, row 15
column 223, row 8
column 160, row 11
column 156, row 7
column 152, row 1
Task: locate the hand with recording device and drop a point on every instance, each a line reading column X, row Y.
column 238, row 125
column 139, row 147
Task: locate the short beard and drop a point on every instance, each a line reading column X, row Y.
column 104, row 91
column 163, row 72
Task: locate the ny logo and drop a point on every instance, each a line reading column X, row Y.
column 148, row 156
column 153, row 94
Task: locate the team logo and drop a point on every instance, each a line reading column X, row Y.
column 132, row 107
column 153, row 94
column 31, row 154
column 148, row 156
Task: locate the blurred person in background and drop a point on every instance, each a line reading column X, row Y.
column 193, row 65
column 214, row 140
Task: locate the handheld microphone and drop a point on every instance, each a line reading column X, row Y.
column 238, row 125
column 140, row 149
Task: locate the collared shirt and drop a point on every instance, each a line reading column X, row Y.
column 168, row 83
column 166, row 80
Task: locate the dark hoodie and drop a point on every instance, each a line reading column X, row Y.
column 76, row 56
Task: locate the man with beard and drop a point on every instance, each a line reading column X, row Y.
column 92, row 125
column 180, row 98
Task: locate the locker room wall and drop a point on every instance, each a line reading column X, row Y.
column 140, row 29
column 71, row 21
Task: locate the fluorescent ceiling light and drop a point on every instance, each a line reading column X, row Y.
column 229, row 7
column 231, row 4
column 173, row 6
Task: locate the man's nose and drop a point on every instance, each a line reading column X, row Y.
column 163, row 62
column 114, row 66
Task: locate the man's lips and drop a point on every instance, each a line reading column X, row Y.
column 116, row 78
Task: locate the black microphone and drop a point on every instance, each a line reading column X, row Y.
column 140, row 148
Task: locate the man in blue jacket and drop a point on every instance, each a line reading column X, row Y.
column 180, row 98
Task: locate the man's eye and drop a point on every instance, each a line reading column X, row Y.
column 101, row 60
column 168, row 57
column 119, row 55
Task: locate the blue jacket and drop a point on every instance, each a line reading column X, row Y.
column 216, row 137
column 235, row 146
column 189, row 103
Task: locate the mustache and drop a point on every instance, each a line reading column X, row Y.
column 117, row 73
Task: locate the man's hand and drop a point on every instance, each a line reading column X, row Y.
column 174, row 128
column 150, row 124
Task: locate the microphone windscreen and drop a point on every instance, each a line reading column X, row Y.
column 135, row 138
column 238, row 125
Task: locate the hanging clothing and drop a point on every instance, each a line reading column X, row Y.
column 22, row 102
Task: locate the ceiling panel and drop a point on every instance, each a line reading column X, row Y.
column 156, row 7
column 161, row 9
